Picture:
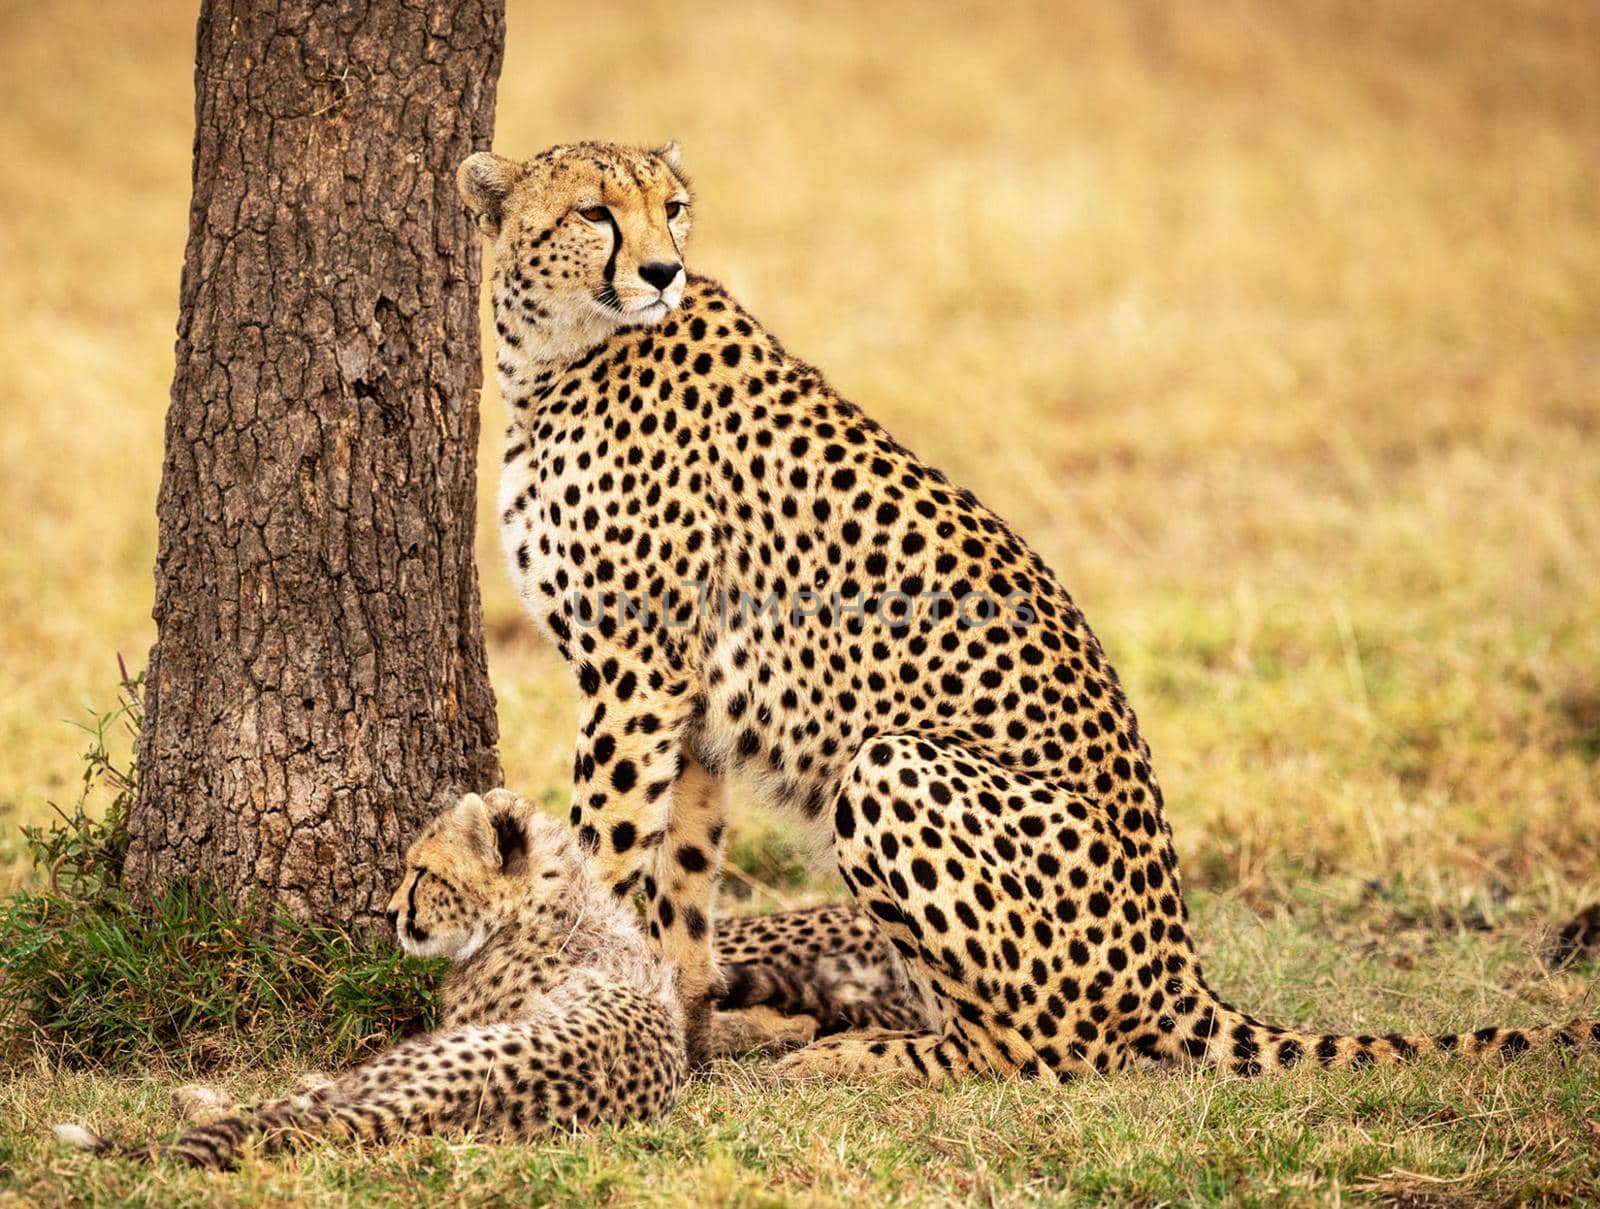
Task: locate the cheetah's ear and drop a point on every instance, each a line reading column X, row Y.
column 485, row 180
column 671, row 154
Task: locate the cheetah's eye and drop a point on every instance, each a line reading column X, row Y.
column 675, row 208
column 594, row 213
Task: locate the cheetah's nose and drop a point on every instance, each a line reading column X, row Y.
column 660, row 273
column 393, row 917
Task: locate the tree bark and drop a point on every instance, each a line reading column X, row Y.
column 318, row 686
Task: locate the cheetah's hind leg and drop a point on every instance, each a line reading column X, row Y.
column 914, row 822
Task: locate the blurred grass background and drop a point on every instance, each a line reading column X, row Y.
column 1275, row 327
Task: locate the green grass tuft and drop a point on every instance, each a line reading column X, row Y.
column 185, row 977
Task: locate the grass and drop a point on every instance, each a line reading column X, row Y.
column 1274, row 327
column 92, row 978
column 1438, row 1133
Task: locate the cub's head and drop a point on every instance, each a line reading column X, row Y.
column 586, row 232
column 479, row 864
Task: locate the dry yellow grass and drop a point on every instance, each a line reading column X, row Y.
column 1275, row 327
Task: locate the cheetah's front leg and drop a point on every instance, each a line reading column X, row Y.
column 682, row 893
column 649, row 811
column 197, row 1103
column 628, row 760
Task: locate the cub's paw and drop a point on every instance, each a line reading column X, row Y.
column 733, row 1034
column 199, row 1102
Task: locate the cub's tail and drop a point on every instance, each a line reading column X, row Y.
column 83, row 1139
column 215, row 1145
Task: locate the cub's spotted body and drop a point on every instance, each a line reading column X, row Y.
column 830, row 965
column 992, row 800
column 555, row 1014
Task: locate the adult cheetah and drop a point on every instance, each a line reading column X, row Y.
column 748, row 574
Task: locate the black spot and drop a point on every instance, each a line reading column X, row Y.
column 888, row 912
column 694, row 922
column 1403, row 1048
column 1246, row 1050
column 844, row 819
column 692, row 859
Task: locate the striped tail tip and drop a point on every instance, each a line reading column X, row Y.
column 1217, row 1034
column 80, row 1138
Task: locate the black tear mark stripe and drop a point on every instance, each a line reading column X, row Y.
column 411, row 895
column 616, row 246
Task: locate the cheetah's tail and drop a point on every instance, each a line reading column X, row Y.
column 1206, row 1030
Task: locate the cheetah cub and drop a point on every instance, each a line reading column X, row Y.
column 749, row 576
column 554, row 1014
column 807, row 973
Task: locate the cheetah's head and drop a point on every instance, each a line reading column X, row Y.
column 584, row 232
column 477, row 866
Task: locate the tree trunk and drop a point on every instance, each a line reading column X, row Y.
column 318, row 686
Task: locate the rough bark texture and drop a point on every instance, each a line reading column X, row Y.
column 318, row 685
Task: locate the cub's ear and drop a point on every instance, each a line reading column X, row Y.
column 671, row 154
column 473, row 818
column 511, row 843
column 485, row 180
